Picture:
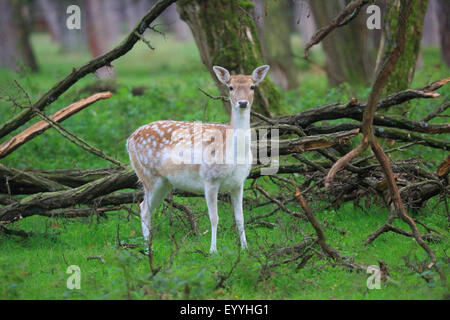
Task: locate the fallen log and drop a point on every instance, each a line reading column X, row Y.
column 382, row 132
column 62, row 199
column 355, row 109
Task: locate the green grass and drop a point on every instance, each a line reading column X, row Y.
column 35, row 268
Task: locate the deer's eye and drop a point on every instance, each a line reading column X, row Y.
column 231, row 88
column 252, row 87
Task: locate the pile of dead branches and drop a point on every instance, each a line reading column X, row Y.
column 315, row 157
column 78, row 192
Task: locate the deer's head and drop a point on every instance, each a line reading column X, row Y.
column 241, row 87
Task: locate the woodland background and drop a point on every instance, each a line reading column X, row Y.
column 68, row 197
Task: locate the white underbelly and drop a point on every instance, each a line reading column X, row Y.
column 228, row 177
column 187, row 180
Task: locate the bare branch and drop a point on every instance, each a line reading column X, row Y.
column 347, row 14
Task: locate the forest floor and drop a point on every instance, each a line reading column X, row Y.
column 35, row 267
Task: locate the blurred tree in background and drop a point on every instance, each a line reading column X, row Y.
column 16, row 52
column 102, row 29
column 226, row 35
column 351, row 50
column 443, row 9
column 275, row 33
column 403, row 72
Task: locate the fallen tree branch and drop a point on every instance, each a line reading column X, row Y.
column 78, row 212
column 41, row 126
column 436, row 112
column 404, row 96
column 444, row 167
column 62, row 199
column 308, row 143
column 77, row 140
column 31, row 178
column 19, row 233
column 355, row 109
column 389, row 133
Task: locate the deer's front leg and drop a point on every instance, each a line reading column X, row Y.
column 211, row 191
column 236, row 199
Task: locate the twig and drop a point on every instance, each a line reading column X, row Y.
column 279, row 203
column 221, row 98
column 78, row 141
column 96, row 258
column 436, row 112
column 144, row 40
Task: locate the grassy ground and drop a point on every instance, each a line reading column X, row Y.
column 35, row 268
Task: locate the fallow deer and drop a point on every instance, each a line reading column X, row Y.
column 155, row 148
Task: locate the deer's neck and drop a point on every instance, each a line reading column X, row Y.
column 240, row 118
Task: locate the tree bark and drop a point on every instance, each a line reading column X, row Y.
column 226, row 35
column 176, row 26
column 351, row 50
column 274, row 24
column 304, row 20
column 430, row 34
column 99, row 34
column 403, row 71
column 444, row 27
column 16, row 52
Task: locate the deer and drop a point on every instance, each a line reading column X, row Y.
column 155, row 151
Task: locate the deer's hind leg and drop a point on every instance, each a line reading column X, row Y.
column 155, row 190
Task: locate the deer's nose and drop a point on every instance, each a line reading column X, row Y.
column 243, row 103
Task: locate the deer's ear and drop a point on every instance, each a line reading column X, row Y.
column 259, row 73
column 222, row 74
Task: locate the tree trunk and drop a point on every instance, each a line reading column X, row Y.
column 226, row 35
column 16, row 52
column 55, row 16
column 176, row 26
column 304, row 20
column 430, row 35
column 275, row 25
column 444, row 27
column 403, row 71
column 98, row 34
column 351, row 50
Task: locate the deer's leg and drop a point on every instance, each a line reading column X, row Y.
column 152, row 200
column 236, row 200
column 211, row 191
column 145, row 220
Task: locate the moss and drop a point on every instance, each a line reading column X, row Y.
column 403, row 71
column 232, row 42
